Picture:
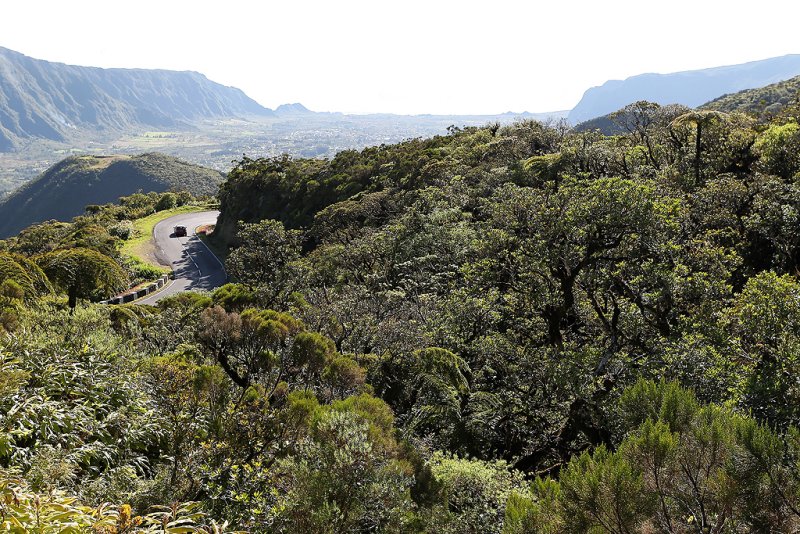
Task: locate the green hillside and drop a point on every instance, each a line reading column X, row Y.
column 65, row 189
column 763, row 102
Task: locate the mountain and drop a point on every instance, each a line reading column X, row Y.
column 691, row 88
column 292, row 110
column 41, row 99
column 763, row 101
column 65, row 189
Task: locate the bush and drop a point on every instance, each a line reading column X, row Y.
column 143, row 272
column 167, row 202
column 123, row 229
column 474, row 494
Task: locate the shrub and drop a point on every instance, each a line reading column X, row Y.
column 123, row 229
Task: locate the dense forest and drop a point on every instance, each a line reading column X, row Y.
column 503, row 329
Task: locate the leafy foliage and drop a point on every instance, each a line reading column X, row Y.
column 505, row 329
column 684, row 468
column 83, row 273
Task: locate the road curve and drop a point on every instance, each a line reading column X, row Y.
column 195, row 267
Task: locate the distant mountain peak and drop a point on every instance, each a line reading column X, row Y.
column 47, row 100
column 286, row 110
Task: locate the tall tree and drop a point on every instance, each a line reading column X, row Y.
column 264, row 261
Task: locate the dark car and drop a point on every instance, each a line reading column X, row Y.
column 180, row 231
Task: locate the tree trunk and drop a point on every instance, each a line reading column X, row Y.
column 72, row 299
column 697, row 149
column 231, row 372
column 562, row 315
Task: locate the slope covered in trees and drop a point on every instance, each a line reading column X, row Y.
column 559, row 267
column 764, row 102
column 64, row 190
column 504, row 329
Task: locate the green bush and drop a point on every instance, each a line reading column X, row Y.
column 167, row 201
column 123, row 229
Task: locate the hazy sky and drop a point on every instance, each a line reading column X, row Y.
column 405, row 56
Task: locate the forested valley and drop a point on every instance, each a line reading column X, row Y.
column 504, row 329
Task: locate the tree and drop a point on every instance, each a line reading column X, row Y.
column 83, row 273
column 254, row 347
column 681, row 467
column 265, row 260
column 646, row 126
column 473, row 494
column 428, row 389
column 167, row 201
column 187, row 395
column 766, row 317
column 40, row 238
column 24, row 273
column 557, row 237
column 701, row 120
column 779, row 149
column 341, row 482
column 603, row 491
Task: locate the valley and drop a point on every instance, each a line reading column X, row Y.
column 215, row 143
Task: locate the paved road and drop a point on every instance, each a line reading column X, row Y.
column 194, row 265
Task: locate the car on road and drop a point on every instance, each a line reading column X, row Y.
column 180, row 231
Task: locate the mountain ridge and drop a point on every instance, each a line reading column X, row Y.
column 691, row 88
column 49, row 100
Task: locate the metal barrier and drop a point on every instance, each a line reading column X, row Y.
column 139, row 293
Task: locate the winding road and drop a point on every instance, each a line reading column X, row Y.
column 195, row 267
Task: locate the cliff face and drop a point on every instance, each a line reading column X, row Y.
column 40, row 99
column 690, row 88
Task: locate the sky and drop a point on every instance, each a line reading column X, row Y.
column 405, row 56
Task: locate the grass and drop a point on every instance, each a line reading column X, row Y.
column 100, row 163
column 140, row 246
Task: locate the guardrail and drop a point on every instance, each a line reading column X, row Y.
column 139, row 293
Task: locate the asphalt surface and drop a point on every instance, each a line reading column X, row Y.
column 195, row 267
